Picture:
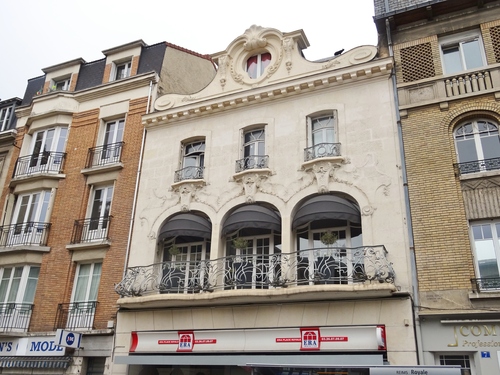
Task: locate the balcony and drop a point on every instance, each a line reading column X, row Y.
column 321, row 150
column 105, row 155
column 189, row 173
column 252, row 162
column 341, row 267
column 477, row 166
column 468, row 83
column 76, row 315
column 24, row 234
column 486, row 284
column 90, row 230
column 15, row 317
column 47, row 162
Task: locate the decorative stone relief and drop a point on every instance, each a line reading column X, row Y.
column 288, row 45
column 251, row 183
column 254, row 40
column 322, row 172
column 223, row 63
column 187, row 193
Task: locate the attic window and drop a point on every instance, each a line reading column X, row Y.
column 257, row 64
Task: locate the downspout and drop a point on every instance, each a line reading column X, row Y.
column 415, row 298
column 134, row 203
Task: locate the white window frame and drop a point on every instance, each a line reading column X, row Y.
column 127, row 65
column 99, row 225
column 193, row 155
column 44, row 155
column 260, row 68
column 5, row 116
column 459, row 41
column 470, row 357
column 61, row 84
column 481, row 227
column 22, row 287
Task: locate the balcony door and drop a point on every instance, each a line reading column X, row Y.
column 100, row 207
column 47, row 150
column 113, row 135
column 84, row 299
column 184, row 269
column 254, row 149
column 29, row 219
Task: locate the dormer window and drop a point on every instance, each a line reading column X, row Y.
column 123, row 70
column 257, row 64
column 61, row 84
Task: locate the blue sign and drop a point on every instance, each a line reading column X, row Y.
column 70, row 339
column 485, row 355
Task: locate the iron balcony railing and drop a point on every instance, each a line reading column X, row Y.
column 307, row 267
column 477, row 166
column 15, row 317
column 321, row 150
column 485, row 283
column 189, row 173
column 104, row 155
column 45, row 162
column 252, row 162
column 28, row 234
column 76, row 315
column 89, row 230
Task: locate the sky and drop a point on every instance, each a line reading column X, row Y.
column 35, row 34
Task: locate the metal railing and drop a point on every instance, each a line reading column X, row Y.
column 45, row 162
column 29, row 233
column 15, row 317
column 89, row 230
column 485, row 283
column 104, row 155
column 468, row 83
column 321, row 150
column 477, row 166
column 252, row 162
column 75, row 315
column 189, row 173
column 307, row 267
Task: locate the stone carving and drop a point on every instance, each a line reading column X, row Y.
column 322, row 172
column 288, row 46
column 223, row 62
column 254, row 40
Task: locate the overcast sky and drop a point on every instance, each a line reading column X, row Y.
column 36, row 34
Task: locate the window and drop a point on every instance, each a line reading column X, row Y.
column 61, row 84
column 254, row 148
column 478, row 146
column 84, row 298
column 100, row 207
column 192, row 161
column 257, row 64
column 96, row 365
column 486, row 237
column 47, row 149
column 462, row 52
column 5, row 116
column 122, row 70
column 29, row 219
column 457, row 360
column 322, row 136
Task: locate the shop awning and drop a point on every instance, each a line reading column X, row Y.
column 252, row 216
column 35, row 362
column 324, row 207
column 186, row 225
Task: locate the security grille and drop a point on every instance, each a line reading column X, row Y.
column 495, row 41
column 417, row 62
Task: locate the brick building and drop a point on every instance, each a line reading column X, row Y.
column 447, row 56
column 68, row 201
column 272, row 234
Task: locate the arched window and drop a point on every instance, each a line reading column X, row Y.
column 257, row 64
column 478, row 146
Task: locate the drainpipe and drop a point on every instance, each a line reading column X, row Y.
column 134, row 203
column 415, row 298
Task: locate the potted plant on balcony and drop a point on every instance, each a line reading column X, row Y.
column 242, row 268
column 240, row 243
column 328, row 238
column 173, row 250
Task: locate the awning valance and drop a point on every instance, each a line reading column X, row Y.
column 35, row 362
column 186, row 224
column 324, row 207
column 252, row 216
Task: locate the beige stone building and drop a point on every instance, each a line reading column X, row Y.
column 447, row 56
column 68, row 202
column 270, row 232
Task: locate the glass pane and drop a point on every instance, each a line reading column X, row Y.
column 82, row 282
column 472, row 54
column 4, row 284
column 33, row 207
column 490, row 146
column 466, row 150
column 485, row 251
column 451, row 60
column 94, row 286
column 29, row 293
column 252, row 67
column 42, row 216
column 62, row 140
column 14, row 287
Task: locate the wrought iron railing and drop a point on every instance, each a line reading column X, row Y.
column 321, row 150
column 15, row 317
column 477, row 166
column 44, row 162
column 104, row 155
column 342, row 266
column 189, row 173
column 252, row 162
column 29, row 234
column 485, row 283
column 75, row 315
column 468, row 83
column 89, row 230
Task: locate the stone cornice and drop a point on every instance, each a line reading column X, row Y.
column 193, row 107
